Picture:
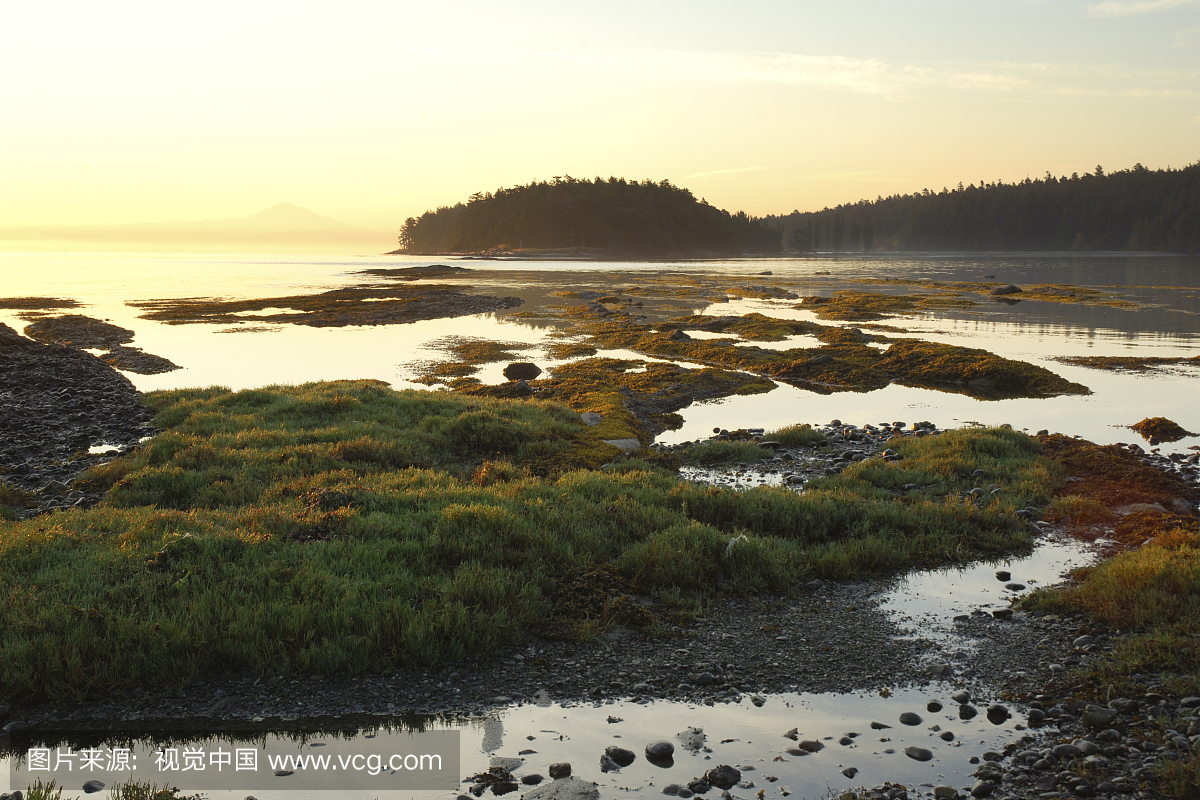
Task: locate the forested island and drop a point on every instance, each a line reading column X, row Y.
column 1134, row 209
column 609, row 218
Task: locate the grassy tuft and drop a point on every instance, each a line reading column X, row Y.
column 715, row 451
column 796, row 435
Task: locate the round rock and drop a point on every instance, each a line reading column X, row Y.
column 909, row 718
column 660, row 749
column 918, row 753
column 522, row 371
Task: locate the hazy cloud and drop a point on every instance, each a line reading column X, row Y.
column 724, row 173
column 1187, row 37
column 1131, row 8
column 876, row 76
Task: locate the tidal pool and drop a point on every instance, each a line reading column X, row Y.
column 1163, row 321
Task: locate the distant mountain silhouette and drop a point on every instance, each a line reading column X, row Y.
column 282, row 227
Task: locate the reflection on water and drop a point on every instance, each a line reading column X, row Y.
column 1165, row 324
column 925, row 602
column 738, row 733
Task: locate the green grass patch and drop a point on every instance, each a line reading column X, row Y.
column 344, row 526
column 796, row 435
column 717, row 451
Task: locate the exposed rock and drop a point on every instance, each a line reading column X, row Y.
column 567, row 788
column 723, row 777
column 522, row 371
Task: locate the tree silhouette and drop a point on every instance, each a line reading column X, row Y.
column 1133, row 209
column 613, row 215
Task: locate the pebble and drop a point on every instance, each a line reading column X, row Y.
column 560, row 770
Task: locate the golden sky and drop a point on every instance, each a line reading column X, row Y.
column 370, row 112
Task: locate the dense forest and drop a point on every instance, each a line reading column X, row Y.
column 1134, row 209
column 616, row 216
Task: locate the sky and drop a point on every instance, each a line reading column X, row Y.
column 370, row 112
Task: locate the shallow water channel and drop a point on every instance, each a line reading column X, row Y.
column 747, row 731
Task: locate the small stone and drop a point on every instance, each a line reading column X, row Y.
column 1096, row 717
column 620, row 755
column 608, row 765
column 879, row 726
column 672, row 789
column 967, row 711
column 1015, row 587
column 532, row 779
column 1003, row 575
column 933, row 706
column 1003, row 613
column 997, row 713
column 811, row 746
column 961, row 696
column 91, row 787
column 947, row 736
column 945, row 792
column 850, row 772
column 1065, row 750
column 560, row 770
column 909, row 718
column 982, row 788
column 723, row 777
column 918, row 753
column 660, row 749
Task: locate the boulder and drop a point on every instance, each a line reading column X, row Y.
column 522, row 371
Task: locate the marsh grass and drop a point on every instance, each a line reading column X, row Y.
column 717, row 451
column 796, row 435
column 344, row 526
